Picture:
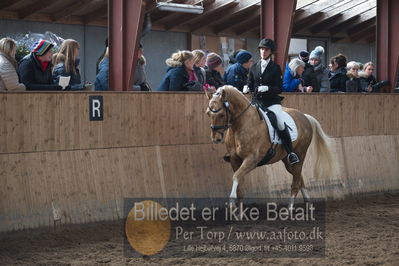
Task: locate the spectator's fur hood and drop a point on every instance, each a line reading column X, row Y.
column 351, row 76
column 363, row 75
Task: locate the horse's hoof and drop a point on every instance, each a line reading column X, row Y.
column 233, row 202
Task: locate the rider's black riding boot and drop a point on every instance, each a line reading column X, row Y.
column 286, row 139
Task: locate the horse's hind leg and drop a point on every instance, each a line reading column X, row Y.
column 297, row 181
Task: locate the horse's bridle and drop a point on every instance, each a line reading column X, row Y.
column 228, row 123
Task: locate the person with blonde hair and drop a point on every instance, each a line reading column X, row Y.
column 353, row 82
column 66, row 64
column 368, row 82
column 8, row 66
column 199, row 65
column 180, row 75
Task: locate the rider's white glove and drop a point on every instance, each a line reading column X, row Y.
column 263, row 88
column 245, row 90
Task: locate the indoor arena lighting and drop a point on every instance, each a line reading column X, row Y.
column 183, row 8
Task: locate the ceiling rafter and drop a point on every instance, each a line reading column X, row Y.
column 95, row 14
column 34, row 7
column 230, row 14
column 229, row 24
column 76, row 5
column 366, row 16
column 344, row 16
column 334, row 12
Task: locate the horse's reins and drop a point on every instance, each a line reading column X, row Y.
column 228, row 123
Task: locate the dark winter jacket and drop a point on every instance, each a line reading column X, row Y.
column 214, row 78
column 200, row 73
column 32, row 75
column 322, row 77
column 353, row 83
column 236, row 76
column 175, row 80
column 74, row 82
column 309, row 78
column 366, row 81
column 101, row 83
column 271, row 77
column 338, row 80
column 290, row 83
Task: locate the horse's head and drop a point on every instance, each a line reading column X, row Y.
column 218, row 110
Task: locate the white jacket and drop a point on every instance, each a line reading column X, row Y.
column 8, row 76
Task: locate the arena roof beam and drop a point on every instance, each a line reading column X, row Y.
column 313, row 9
column 34, row 7
column 7, row 3
column 344, row 16
column 302, row 3
column 70, row 9
column 103, row 9
column 387, row 42
column 247, row 26
column 366, row 16
column 335, row 11
column 230, row 24
column 276, row 23
column 230, row 14
column 361, row 26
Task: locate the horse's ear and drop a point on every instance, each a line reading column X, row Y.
column 208, row 94
column 223, row 95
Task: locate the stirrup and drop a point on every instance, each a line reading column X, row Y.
column 293, row 158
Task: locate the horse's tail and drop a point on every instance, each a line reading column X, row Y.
column 324, row 166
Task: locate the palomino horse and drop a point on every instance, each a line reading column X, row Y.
column 236, row 122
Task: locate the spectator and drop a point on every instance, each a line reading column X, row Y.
column 199, row 64
column 292, row 77
column 101, row 83
column 338, row 75
column 101, row 57
column 353, row 82
column 237, row 74
column 66, row 63
column 214, row 70
column 368, row 82
column 8, row 66
column 35, row 69
column 140, row 77
column 180, row 75
column 309, row 76
column 320, row 70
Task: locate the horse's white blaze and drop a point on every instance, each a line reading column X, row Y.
column 233, row 193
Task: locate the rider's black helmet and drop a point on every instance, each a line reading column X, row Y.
column 267, row 43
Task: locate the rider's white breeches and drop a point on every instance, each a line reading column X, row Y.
column 278, row 110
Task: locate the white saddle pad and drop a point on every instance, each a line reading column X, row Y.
column 273, row 133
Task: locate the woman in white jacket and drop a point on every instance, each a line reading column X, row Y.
column 8, row 66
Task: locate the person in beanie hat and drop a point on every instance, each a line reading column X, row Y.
column 320, row 70
column 265, row 81
column 214, row 70
column 308, row 76
column 35, row 68
column 237, row 74
column 304, row 56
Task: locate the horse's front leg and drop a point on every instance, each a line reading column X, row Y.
column 247, row 166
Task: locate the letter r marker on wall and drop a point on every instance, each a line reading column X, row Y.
column 96, row 108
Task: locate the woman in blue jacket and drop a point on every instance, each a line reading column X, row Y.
column 180, row 75
column 292, row 77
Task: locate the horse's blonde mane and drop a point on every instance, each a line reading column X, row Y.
column 231, row 93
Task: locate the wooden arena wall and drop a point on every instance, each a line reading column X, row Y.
column 57, row 167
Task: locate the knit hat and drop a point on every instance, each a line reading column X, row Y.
column 304, row 56
column 213, row 60
column 243, row 57
column 317, row 53
column 41, row 47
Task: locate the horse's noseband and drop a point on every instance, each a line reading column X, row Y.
column 226, row 106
